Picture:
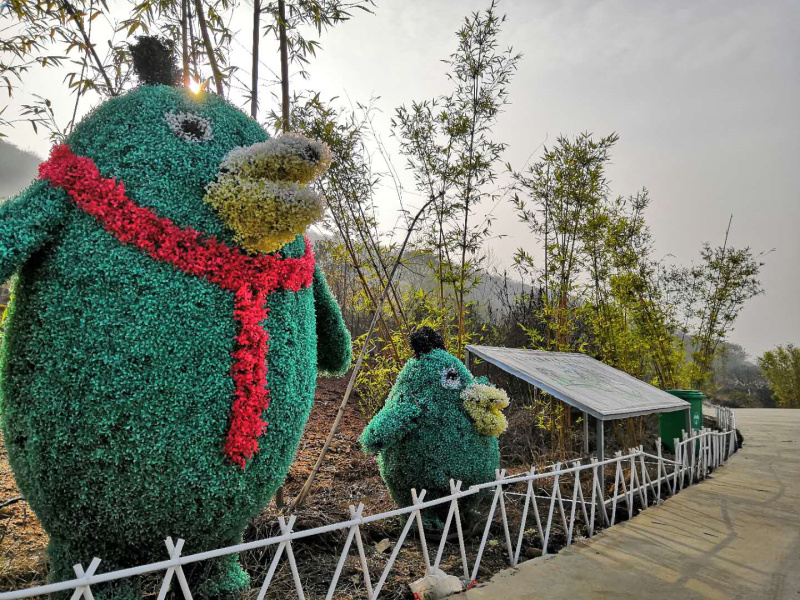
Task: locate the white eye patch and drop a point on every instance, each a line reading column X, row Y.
column 450, row 379
column 189, row 126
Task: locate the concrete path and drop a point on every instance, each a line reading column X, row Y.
column 735, row 535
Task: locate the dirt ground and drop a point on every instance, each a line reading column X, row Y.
column 347, row 477
column 22, row 540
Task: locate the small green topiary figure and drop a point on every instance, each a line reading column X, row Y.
column 439, row 423
column 161, row 351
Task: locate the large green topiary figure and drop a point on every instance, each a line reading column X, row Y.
column 158, row 364
column 439, row 423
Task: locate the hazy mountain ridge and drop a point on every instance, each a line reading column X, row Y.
column 486, row 293
column 415, row 274
column 17, row 169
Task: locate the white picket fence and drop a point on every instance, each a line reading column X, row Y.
column 726, row 418
column 540, row 510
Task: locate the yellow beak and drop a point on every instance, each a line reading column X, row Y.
column 484, row 404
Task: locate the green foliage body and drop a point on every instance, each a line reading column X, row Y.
column 712, row 293
column 450, row 149
column 116, row 383
column 781, row 368
column 564, row 203
column 598, row 290
column 424, row 437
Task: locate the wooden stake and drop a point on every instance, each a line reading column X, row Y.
column 298, row 502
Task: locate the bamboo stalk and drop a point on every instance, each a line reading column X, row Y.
column 254, row 68
column 89, row 47
column 212, row 59
column 284, row 64
column 185, row 42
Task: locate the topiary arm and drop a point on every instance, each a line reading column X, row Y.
column 334, row 348
column 27, row 222
column 389, row 426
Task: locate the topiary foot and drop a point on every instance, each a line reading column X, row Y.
column 218, row 579
column 63, row 558
column 432, row 523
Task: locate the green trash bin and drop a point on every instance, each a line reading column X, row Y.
column 673, row 423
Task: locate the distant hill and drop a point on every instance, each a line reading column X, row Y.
column 416, row 274
column 486, row 293
column 17, row 169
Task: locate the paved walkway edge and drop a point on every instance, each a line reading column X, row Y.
column 734, row 536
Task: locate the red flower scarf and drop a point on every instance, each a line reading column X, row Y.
column 250, row 278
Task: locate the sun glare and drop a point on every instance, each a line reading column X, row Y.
column 195, row 86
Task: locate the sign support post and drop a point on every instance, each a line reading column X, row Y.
column 600, row 451
column 586, row 434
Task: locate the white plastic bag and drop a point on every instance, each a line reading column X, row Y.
column 436, row 586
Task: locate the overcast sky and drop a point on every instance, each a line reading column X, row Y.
column 704, row 95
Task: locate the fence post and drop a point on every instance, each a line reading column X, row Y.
column 583, row 500
column 551, row 509
column 701, row 457
column 504, row 516
column 362, row 557
column 717, row 460
column 174, row 551
column 658, row 472
column 633, row 475
column 617, row 473
column 497, row 493
column 601, row 497
column 732, row 444
column 724, row 446
column 644, row 482
column 355, row 514
column 274, row 564
column 528, row 498
column 576, row 487
column 716, row 451
column 396, row 550
column 454, row 489
column 286, row 529
column 85, row 590
column 421, row 530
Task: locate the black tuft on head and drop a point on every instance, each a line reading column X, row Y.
column 153, row 61
column 425, row 339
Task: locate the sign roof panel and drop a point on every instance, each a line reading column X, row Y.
column 579, row 380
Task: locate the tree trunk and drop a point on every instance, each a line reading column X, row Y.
column 284, row 64
column 192, row 53
column 212, row 59
column 185, row 42
column 256, row 39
